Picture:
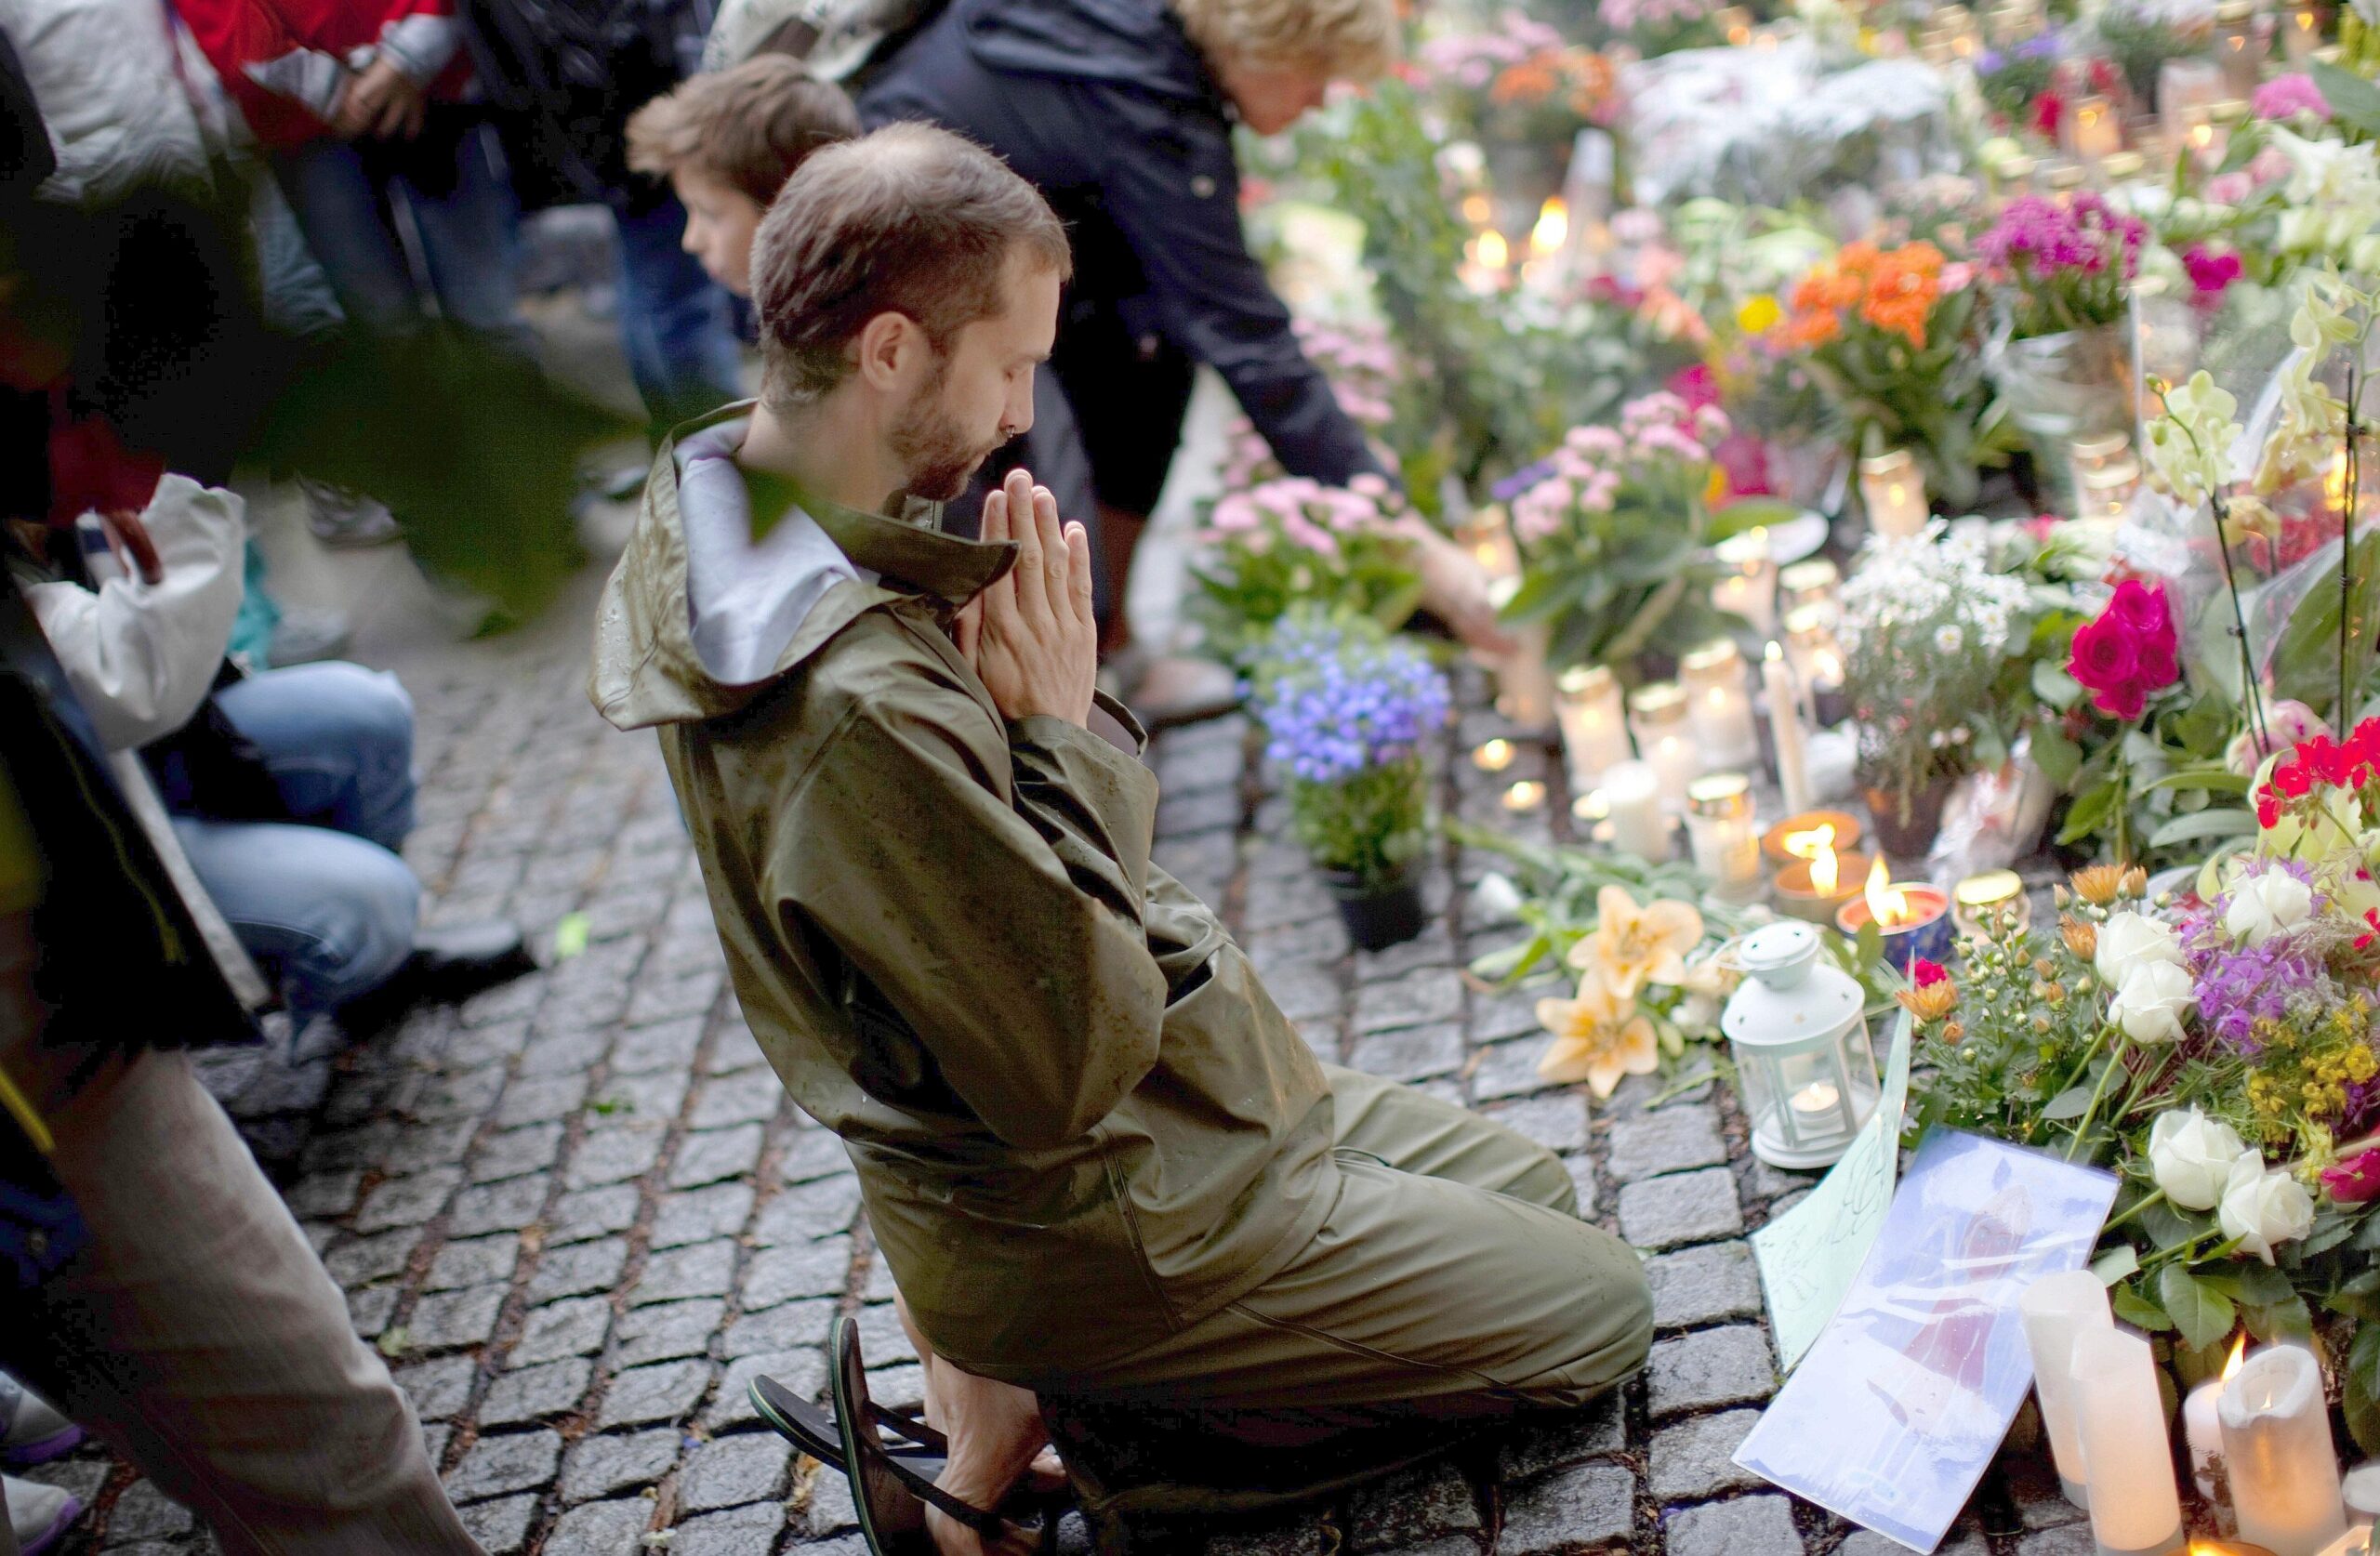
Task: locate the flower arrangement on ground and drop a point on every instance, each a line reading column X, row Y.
column 1634, row 952
column 1890, row 335
column 1611, row 528
column 1349, row 714
column 2061, row 266
column 1516, row 80
column 1655, row 27
column 1283, row 542
column 1371, row 380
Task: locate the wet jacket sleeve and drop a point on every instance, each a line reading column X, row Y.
column 993, row 893
column 1175, row 196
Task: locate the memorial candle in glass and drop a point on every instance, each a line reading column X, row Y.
column 1664, row 740
column 1895, row 494
column 1719, row 704
column 1747, row 584
column 2277, row 1448
column 1587, row 704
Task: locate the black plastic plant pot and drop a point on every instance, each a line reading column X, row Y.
column 1379, row 913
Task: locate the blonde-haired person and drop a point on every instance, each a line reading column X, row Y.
column 1121, row 111
column 727, row 142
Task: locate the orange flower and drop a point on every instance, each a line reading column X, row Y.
column 1902, row 290
column 1530, row 80
column 1816, row 328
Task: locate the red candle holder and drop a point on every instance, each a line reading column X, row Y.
column 1926, row 932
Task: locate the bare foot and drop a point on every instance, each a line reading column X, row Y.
column 996, row 1436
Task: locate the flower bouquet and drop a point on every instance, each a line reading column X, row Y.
column 1516, row 81
column 1612, row 528
column 1348, row 714
column 1371, row 380
column 1657, row 27
column 1890, row 335
column 2059, row 273
column 1264, row 549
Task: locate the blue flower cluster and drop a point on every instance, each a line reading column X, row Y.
column 1338, row 703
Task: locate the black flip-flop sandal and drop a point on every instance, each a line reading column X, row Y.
column 886, row 1488
column 813, row 1430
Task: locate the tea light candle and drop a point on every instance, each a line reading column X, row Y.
column 1720, row 830
column 1718, row 705
column 1664, row 740
column 1813, row 582
column 2284, row 1469
column 2058, row 1310
column 1815, row 889
column 2301, row 32
column 1525, row 795
column 1785, row 729
column 2092, row 129
column 1805, row 834
column 1493, row 756
column 2135, row 1507
column 2203, row 1430
column 1894, row 493
column 1983, row 899
column 1632, row 803
column 1817, row 659
column 1595, row 724
column 1914, row 918
column 1487, row 534
column 2106, row 492
column 1748, row 579
column 2360, row 1487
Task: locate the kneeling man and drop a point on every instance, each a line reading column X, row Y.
column 1101, row 1163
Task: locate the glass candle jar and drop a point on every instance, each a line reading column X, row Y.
column 1588, row 707
column 1721, row 834
column 1748, row 580
column 1664, row 739
column 2240, row 46
column 1817, row 659
column 1894, row 494
column 2301, row 32
column 1719, row 704
column 1814, row 582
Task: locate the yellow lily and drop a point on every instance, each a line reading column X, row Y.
column 1597, row 1038
column 1634, row 947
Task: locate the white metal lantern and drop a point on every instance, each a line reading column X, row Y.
column 1798, row 1028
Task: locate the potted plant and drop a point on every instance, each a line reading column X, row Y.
column 1348, row 714
column 1262, row 550
column 1930, row 632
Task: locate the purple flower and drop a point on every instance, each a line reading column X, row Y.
column 2240, row 985
column 1338, row 703
column 2285, row 97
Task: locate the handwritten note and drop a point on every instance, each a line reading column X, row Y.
column 1808, row 1256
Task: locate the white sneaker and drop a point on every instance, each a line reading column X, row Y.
column 31, row 1431
column 39, row 1515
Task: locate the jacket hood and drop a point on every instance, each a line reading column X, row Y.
column 1134, row 43
column 698, row 618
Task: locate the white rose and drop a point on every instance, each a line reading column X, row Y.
column 2262, row 906
column 2263, row 1209
column 2128, row 939
column 2192, row 1157
column 2151, row 1001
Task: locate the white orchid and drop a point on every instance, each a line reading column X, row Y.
column 2189, row 446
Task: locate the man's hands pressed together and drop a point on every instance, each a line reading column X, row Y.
column 1030, row 635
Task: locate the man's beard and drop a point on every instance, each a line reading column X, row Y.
column 932, row 446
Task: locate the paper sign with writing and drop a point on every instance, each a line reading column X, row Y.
column 1808, row 1255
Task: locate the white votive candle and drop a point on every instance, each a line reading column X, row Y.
column 1894, row 493
column 2135, row 1507
column 1664, row 740
column 2361, row 1489
column 1632, row 797
column 1747, row 584
column 1719, row 704
column 2057, row 1311
column 1587, row 704
column 1785, row 729
column 2283, row 1467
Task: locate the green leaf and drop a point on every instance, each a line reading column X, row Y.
column 2355, row 102
column 570, row 936
column 2119, row 1263
column 2097, row 806
column 2260, row 1284
column 2202, row 826
column 1749, row 513
column 2072, row 1102
column 2059, row 758
column 2279, row 1321
column 1543, row 591
column 2329, row 1229
column 2202, row 1314
column 2168, row 1228
column 2138, row 1310
column 2363, row 1388
column 394, row 1341
column 2054, row 686
column 2221, row 779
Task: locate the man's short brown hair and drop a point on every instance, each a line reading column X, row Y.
column 750, row 127
column 911, row 220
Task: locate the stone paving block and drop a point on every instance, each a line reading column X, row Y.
column 1414, row 1505
column 370, row 1311
column 812, row 1153
column 1763, row 1181
column 1635, row 1095
column 1582, row 1184
column 699, row 1214
column 828, row 1510
column 882, row 1338
column 357, row 1259
column 735, row 1051
column 1867, row 1542
column 143, row 1513
column 1693, row 1460
column 1418, row 998
column 1673, row 1139
column 1747, row 1526
column 1686, row 1207
column 1558, row 1123
column 791, row 1328
column 1695, row 1286
column 775, row 1275
column 578, row 1269
column 666, row 1331
column 721, row 1154
column 326, row 1194
column 516, row 1461
column 535, row 1393
column 803, row 1373
column 408, row 1201
column 667, row 1393
column 738, row 1532
column 2032, row 1485
column 1575, row 1436
column 606, row 1466
column 1297, row 1534
column 881, row 1286
column 638, row 1102
column 541, row 1100
column 682, row 996
column 506, row 1206
column 449, row 1320
column 1707, row 1369
column 1280, row 904
column 809, row 1211
column 586, row 1214
column 753, row 1098
column 614, row 1156
column 750, row 1467
column 2074, row 1540
column 573, row 1327
column 667, row 1046
column 447, row 1099
column 1589, row 1508
column 602, row 1529
column 1309, row 943
column 1508, row 1070
column 502, row 1526
column 1413, row 1054
column 702, row 1269
column 1497, row 1018
column 438, row 1389
column 474, row 1261
column 1306, row 993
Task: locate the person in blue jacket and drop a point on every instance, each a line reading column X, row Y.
column 1121, row 113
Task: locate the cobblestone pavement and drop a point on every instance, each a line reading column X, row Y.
column 578, row 1213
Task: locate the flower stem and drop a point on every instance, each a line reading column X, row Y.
column 2347, row 550
column 2248, row 692
column 2146, row 1201
column 2098, row 1094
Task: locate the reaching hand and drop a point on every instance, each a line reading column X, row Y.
column 383, row 103
column 1031, row 637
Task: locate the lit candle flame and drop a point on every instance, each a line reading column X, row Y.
column 1493, row 756
column 1527, row 795
column 1476, row 210
column 2238, row 1355
column 1553, row 228
column 1809, row 845
column 1826, row 871
column 1492, row 251
column 1887, row 903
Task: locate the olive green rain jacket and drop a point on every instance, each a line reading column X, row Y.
column 1079, row 1121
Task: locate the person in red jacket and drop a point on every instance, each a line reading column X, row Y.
column 360, row 105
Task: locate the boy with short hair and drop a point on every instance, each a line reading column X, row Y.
column 728, row 143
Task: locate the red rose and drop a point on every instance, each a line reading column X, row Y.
column 2104, row 657
column 1926, row 974
column 2159, row 668
column 2355, row 1180
column 2141, row 608
column 2126, row 702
